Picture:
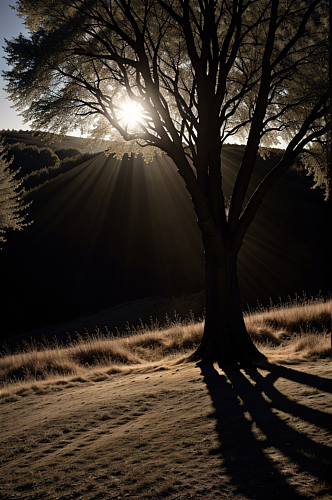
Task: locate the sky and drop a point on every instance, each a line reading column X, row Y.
column 10, row 26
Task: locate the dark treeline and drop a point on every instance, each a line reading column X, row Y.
column 36, row 165
column 39, row 177
column 26, row 159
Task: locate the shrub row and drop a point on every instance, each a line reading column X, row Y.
column 35, row 165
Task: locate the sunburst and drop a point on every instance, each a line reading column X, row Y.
column 130, row 114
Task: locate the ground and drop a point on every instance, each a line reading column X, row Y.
column 174, row 431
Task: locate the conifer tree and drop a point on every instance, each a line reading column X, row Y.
column 12, row 207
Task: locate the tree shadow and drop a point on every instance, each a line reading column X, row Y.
column 270, row 445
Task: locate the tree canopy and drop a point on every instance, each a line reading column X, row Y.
column 202, row 73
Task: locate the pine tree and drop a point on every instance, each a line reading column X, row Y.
column 12, row 207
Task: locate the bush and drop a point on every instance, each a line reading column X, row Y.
column 27, row 159
column 67, row 153
column 36, row 179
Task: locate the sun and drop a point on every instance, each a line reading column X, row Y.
column 130, row 114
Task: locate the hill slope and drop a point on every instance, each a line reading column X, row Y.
column 26, row 137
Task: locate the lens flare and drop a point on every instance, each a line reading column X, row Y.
column 131, row 113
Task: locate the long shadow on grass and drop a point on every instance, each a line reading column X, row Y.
column 258, row 448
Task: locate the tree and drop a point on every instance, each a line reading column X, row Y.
column 11, row 205
column 200, row 73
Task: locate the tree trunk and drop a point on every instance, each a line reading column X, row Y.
column 225, row 339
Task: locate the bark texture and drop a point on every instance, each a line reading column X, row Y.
column 225, row 339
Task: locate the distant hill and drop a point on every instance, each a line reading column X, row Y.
column 108, row 232
column 26, row 137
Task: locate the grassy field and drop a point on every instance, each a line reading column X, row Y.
column 123, row 416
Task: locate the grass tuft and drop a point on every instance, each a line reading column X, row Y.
column 313, row 344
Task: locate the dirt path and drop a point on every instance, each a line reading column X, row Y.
column 178, row 433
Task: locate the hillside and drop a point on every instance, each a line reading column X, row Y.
column 108, row 232
column 26, row 137
column 175, row 432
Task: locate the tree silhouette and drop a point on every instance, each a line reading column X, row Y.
column 200, row 73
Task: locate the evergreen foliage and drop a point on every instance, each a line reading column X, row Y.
column 12, row 208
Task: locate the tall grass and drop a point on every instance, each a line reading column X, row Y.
column 301, row 326
column 137, row 346
column 280, row 322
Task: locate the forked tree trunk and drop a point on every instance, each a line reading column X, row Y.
column 225, row 339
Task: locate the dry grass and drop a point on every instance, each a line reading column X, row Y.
column 284, row 322
column 299, row 329
column 89, row 355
